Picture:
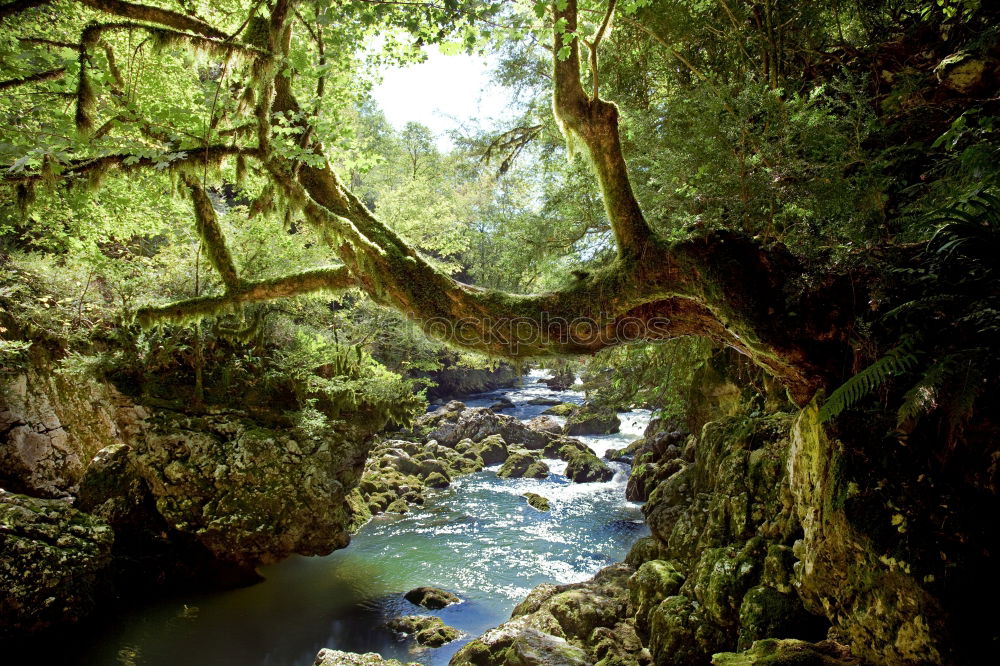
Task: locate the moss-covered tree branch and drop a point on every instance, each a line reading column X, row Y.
column 723, row 286
column 33, row 78
column 594, row 123
column 211, row 235
column 165, row 17
column 319, row 280
column 126, row 162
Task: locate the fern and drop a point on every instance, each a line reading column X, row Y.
column 896, row 361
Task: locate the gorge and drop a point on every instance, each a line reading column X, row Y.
column 243, row 318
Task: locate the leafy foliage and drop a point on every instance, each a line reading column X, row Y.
column 948, row 325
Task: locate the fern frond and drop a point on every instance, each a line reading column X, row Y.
column 896, row 361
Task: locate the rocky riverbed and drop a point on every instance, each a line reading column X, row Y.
column 476, row 536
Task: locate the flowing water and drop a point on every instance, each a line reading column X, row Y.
column 477, row 538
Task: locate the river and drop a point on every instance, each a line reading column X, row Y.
column 478, row 539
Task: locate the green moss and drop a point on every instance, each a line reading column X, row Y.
column 537, row 501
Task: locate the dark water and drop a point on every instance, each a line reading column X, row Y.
column 478, row 539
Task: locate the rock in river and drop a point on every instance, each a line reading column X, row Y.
column 432, row 598
column 327, row 657
column 589, row 420
column 584, row 467
column 545, row 423
column 537, row 501
column 523, row 464
column 426, row 629
column 502, row 404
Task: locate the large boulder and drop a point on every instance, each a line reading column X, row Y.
column 425, row 629
column 454, row 422
column 327, row 657
column 113, row 489
column 574, row 624
column 587, row 468
column 52, row 424
column 652, row 582
column 543, row 423
column 523, row 464
column 248, row 493
column 431, row 598
column 54, row 563
column 590, row 420
column 492, row 450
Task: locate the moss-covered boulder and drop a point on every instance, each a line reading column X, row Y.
column 431, row 598
column 652, row 582
column 514, row 644
column 789, row 652
column 579, row 623
column 537, row 501
column 327, row 657
column 679, row 633
column 492, row 450
column 584, row 467
column 426, row 629
column 562, row 409
column 523, row 464
column 437, row 480
column 252, row 494
column 591, row 420
column 54, row 563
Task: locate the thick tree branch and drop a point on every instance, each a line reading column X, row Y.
column 33, row 78
column 126, row 162
column 596, row 44
column 594, row 123
column 18, row 6
column 211, row 235
column 150, row 14
column 319, row 280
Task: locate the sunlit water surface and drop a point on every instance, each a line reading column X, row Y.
column 477, row 538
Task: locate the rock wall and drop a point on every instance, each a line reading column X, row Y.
column 780, row 540
column 455, row 381
column 54, row 563
column 52, row 425
column 202, row 495
column 874, row 600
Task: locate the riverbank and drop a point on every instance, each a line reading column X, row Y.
column 478, row 538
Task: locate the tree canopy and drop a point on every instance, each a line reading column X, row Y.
column 755, row 156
